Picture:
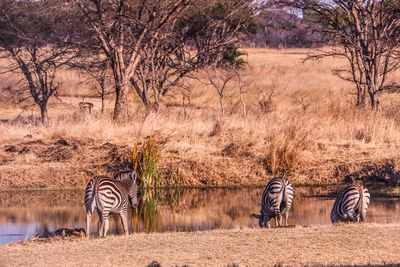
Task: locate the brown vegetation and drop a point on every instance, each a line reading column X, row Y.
column 321, row 143
column 342, row 245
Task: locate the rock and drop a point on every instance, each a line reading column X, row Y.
column 77, row 232
column 62, row 142
column 10, row 149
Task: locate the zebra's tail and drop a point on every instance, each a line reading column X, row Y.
column 90, row 202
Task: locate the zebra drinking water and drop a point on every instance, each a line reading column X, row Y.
column 109, row 195
column 276, row 200
column 351, row 205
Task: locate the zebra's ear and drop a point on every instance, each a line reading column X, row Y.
column 133, row 175
column 257, row 216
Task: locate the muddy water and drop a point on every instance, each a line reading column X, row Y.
column 24, row 215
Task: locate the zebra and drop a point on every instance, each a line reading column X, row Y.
column 276, row 200
column 351, row 205
column 110, row 195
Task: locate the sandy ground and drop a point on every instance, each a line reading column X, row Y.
column 342, row 245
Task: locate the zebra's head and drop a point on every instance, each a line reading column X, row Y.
column 126, row 174
column 262, row 219
column 131, row 175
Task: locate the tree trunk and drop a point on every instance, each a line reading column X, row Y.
column 121, row 102
column 360, row 100
column 43, row 113
column 243, row 104
column 157, row 100
column 221, row 104
column 360, row 97
column 184, row 106
column 142, row 92
column 102, row 102
column 374, row 100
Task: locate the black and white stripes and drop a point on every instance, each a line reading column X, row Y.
column 109, row 195
column 276, row 201
column 351, row 205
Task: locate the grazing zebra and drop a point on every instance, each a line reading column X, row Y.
column 276, row 200
column 110, row 196
column 351, row 205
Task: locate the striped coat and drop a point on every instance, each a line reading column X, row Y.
column 276, row 201
column 108, row 195
column 351, row 205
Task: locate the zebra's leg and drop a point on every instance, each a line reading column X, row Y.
column 103, row 225
column 286, row 217
column 88, row 216
column 99, row 231
column 106, row 225
column 356, row 217
column 124, row 219
column 278, row 219
column 362, row 218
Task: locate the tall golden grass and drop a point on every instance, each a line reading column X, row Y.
column 311, row 120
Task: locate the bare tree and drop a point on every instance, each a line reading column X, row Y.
column 219, row 79
column 97, row 70
column 123, row 29
column 104, row 82
column 33, row 39
column 186, row 101
column 225, row 71
column 265, row 99
column 303, row 100
column 152, row 44
column 243, row 84
column 366, row 33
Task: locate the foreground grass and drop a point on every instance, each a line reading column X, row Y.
column 343, row 245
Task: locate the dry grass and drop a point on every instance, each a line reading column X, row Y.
column 342, row 245
column 310, row 129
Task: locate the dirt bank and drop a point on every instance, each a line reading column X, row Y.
column 57, row 163
column 60, row 162
column 343, row 245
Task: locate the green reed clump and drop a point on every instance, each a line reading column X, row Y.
column 145, row 157
column 148, row 210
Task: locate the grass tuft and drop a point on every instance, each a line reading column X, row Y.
column 145, row 157
column 284, row 155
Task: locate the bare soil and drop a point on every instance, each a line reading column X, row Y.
column 313, row 246
column 58, row 163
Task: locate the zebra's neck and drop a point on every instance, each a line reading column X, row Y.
column 128, row 184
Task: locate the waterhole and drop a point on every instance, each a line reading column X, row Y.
column 24, row 215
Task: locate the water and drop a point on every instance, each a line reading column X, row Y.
column 23, row 215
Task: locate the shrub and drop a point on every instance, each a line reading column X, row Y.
column 284, row 155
